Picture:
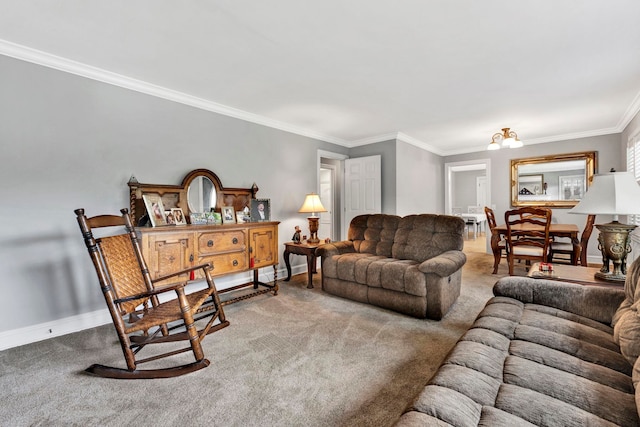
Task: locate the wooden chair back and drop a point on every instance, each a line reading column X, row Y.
column 527, row 234
column 491, row 218
column 118, row 262
column 498, row 244
column 567, row 247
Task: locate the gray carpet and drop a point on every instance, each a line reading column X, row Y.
column 302, row 358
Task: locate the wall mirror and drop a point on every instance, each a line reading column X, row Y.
column 557, row 181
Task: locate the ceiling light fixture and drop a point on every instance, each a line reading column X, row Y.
column 508, row 138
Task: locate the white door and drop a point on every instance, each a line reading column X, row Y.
column 327, row 195
column 363, row 187
column 481, row 191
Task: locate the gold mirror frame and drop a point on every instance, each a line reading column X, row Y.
column 546, row 165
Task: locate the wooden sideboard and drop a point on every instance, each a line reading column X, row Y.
column 229, row 248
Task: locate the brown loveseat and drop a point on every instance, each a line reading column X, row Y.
column 541, row 353
column 412, row 265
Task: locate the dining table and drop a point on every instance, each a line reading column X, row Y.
column 479, row 221
column 555, row 230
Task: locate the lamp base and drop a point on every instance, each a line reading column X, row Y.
column 313, row 229
column 614, row 244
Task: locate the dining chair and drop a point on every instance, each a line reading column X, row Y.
column 527, row 234
column 140, row 319
column 567, row 248
column 502, row 244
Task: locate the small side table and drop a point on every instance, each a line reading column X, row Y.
column 307, row 249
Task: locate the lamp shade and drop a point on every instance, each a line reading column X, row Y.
column 312, row 204
column 615, row 193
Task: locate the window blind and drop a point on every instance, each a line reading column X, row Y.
column 633, row 165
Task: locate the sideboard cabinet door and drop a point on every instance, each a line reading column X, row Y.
column 168, row 252
column 263, row 243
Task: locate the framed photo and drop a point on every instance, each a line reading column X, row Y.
column 213, row 218
column 530, row 184
column 228, row 215
column 178, row 216
column 168, row 216
column 198, row 218
column 155, row 209
column 260, row 210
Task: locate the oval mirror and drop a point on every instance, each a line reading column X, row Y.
column 201, row 194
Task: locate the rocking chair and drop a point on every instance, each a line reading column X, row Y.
column 139, row 317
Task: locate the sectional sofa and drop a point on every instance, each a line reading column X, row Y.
column 541, row 353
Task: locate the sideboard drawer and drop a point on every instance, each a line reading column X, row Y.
column 221, row 241
column 227, row 263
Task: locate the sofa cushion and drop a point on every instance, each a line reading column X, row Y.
column 420, row 237
column 373, row 234
column 379, row 272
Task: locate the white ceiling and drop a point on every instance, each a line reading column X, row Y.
column 444, row 75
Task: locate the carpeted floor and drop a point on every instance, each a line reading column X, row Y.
column 301, row 358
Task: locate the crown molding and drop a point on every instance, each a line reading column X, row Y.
column 372, row 140
column 631, row 112
column 420, row 144
column 73, row 67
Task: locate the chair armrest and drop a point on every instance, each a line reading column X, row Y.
column 174, row 287
column 336, row 248
column 594, row 302
column 444, row 264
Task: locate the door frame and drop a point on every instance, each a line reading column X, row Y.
column 335, row 156
column 450, row 168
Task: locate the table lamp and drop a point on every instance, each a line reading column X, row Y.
column 615, row 193
column 312, row 204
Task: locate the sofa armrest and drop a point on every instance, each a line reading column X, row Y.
column 336, row 248
column 594, row 302
column 444, row 264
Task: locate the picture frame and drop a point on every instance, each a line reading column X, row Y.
column 228, row 215
column 213, row 218
column 198, row 218
column 168, row 217
column 155, row 209
column 260, row 210
column 178, row 216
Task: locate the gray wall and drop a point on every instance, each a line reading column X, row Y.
column 420, row 180
column 70, row 142
column 465, row 189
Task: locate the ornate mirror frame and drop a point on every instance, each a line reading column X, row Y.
column 176, row 196
column 552, row 182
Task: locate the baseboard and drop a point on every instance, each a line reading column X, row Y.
column 54, row 328
column 68, row 325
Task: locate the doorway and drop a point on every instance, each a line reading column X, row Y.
column 330, row 169
column 327, row 226
column 454, row 196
